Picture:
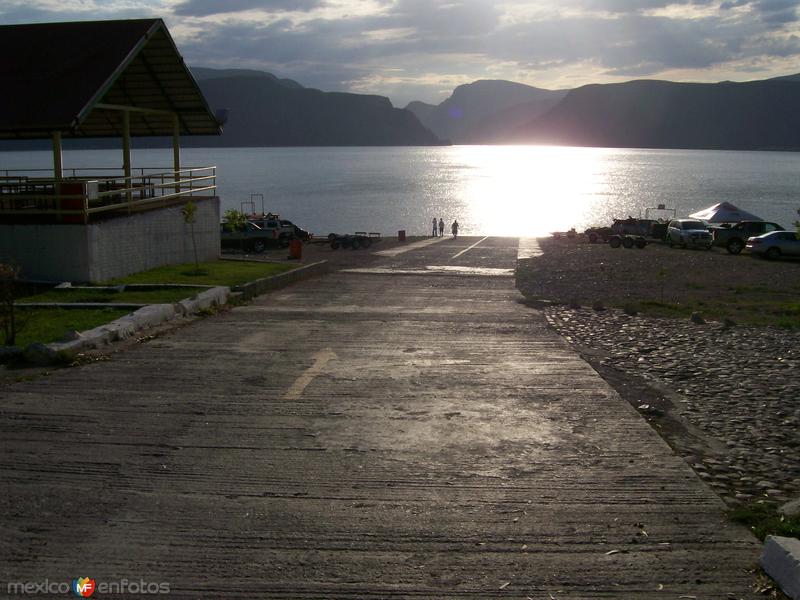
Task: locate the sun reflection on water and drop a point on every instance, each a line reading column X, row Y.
column 528, row 191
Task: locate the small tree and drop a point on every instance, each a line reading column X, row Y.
column 10, row 324
column 189, row 213
column 234, row 219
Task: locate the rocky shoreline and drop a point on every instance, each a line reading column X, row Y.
column 725, row 397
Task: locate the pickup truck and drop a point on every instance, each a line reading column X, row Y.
column 248, row 237
column 734, row 237
column 287, row 231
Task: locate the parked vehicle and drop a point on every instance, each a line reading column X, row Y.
column 627, row 241
column 248, row 237
column 297, row 232
column 688, row 233
column 734, row 237
column 359, row 239
column 272, row 222
column 645, row 228
column 631, row 226
column 287, row 231
column 774, row 245
column 596, row 235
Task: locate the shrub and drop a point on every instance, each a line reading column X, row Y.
column 10, row 324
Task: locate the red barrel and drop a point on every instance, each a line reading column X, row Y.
column 296, row 249
column 401, row 235
column 72, row 188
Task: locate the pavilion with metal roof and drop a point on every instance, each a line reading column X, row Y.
column 102, row 79
column 99, row 79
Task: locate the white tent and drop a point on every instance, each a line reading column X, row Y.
column 724, row 212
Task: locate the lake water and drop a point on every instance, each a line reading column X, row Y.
column 491, row 190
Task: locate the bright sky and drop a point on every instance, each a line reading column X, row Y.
column 422, row 49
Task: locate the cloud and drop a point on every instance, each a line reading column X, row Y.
column 777, row 11
column 635, row 6
column 626, row 44
column 50, row 11
column 443, row 17
column 204, row 8
column 771, row 12
column 421, row 49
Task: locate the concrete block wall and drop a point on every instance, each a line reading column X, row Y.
column 46, row 252
column 112, row 248
column 150, row 239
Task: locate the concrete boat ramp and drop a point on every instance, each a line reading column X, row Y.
column 396, row 432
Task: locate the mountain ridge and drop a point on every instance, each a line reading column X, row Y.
column 756, row 115
column 266, row 110
column 281, row 115
column 459, row 116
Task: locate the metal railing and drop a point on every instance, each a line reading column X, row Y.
column 85, row 194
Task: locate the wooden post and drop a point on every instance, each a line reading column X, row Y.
column 126, row 157
column 58, row 170
column 58, row 162
column 176, row 151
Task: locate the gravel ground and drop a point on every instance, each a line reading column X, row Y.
column 725, row 397
column 737, row 286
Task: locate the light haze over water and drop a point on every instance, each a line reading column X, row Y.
column 491, row 190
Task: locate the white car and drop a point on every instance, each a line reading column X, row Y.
column 774, row 244
column 688, row 233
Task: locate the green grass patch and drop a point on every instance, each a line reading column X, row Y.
column 155, row 296
column 764, row 519
column 47, row 325
column 220, row 272
column 745, row 311
column 749, row 289
column 655, row 308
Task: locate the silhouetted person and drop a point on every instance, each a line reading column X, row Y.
column 433, row 233
column 441, row 227
column 454, row 229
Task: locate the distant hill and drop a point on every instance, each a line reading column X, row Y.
column 498, row 128
column 422, row 110
column 484, row 110
column 202, row 74
column 266, row 111
column 795, row 77
column 755, row 115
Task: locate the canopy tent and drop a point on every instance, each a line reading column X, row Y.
column 724, row 212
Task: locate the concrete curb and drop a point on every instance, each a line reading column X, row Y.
column 125, row 327
column 267, row 284
column 156, row 314
column 781, row 561
column 217, row 296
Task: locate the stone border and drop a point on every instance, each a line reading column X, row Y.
column 125, row 327
column 781, row 561
column 259, row 286
column 156, row 314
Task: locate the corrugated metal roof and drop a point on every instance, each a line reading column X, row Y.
column 54, row 76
